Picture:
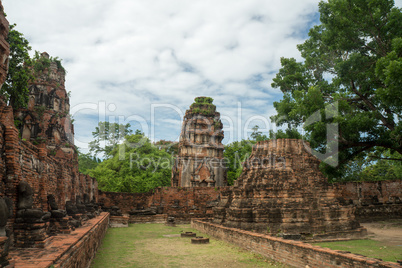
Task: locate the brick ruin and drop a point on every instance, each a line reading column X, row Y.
column 5, row 204
column 282, row 192
column 42, row 194
column 200, row 161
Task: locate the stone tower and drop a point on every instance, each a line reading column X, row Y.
column 281, row 191
column 46, row 121
column 200, row 161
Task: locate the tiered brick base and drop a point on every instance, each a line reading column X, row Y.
column 5, row 260
column 66, row 250
column 60, row 225
column 30, row 235
column 281, row 191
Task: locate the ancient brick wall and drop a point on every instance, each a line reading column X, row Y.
column 293, row 253
column 373, row 200
column 181, row 203
column 38, row 161
column 46, row 173
column 83, row 252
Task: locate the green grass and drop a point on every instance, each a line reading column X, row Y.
column 369, row 248
column 144, row 245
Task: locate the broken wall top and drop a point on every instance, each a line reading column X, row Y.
column 281, row 159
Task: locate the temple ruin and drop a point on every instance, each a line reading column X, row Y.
column 200, row 161
column 42, row 194
column 50, row 214
column 281, row 191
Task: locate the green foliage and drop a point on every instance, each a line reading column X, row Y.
column 384, row 169
column 289, row 133
column 204, row 106
column 217, row 124
column 203, row 100
column 141, row 168
column 370, row 248
column 170, row 147
column 257, row 135
column 352, row 60
column 17, row 123
column 40, row 63
column 375, row 167
column 15, row 88
column 87, row 162
column 235, row 154
column 40, row 110
column 107, row 136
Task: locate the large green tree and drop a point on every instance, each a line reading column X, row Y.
column 352, row 63
column 87, row 162
column 19, row 73
column 135, row 166
column 107, row 136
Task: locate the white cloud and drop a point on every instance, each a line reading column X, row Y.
column 136, row 53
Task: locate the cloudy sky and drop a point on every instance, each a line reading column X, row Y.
column 144, row 62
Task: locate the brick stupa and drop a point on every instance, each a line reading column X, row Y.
column 200, row 161
column 46, row 121
column 282, row 192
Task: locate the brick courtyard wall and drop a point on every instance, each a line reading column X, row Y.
column 293, row 253
column 374, row 200
column 181, row 203
column 83, row 252
column 47, row 174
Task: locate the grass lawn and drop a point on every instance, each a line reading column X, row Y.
column 369, row 248
column 149, row 245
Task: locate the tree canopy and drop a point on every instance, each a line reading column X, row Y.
column 352, row 61
column 107, row 136
column 15, row 88
column 140, row 168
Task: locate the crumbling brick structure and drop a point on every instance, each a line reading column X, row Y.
column 200, row 161
column 39, row 179
column 5, row 203
column 282, row 192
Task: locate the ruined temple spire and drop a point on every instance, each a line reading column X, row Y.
column 200, row 161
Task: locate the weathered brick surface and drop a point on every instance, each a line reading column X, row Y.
column 373, row 200
column 73, row 250
column 40, row 153
column 281, row 191
column 181, row 203
column 293, row 253
column 4, row 210
column 200, row 161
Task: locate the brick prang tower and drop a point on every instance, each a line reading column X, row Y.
column 200, row 161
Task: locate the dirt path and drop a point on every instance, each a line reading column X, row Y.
column 388, row 232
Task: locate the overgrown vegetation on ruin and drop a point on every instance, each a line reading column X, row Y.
column 15, row 89
column 40, row 63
